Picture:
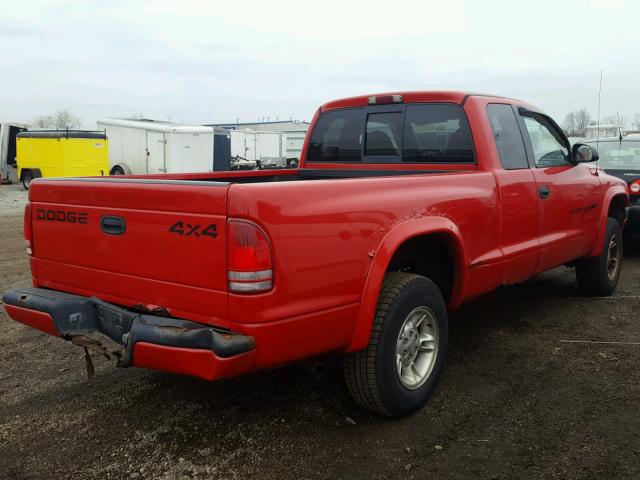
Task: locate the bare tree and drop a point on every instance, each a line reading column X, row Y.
column 64, row 119
column 569, row 124
column 43, row 121
column 576, row 122
column 61, row 120
column 635, row 123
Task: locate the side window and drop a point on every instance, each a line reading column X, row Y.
column 547, row 149
column 507, row 135
column 437, row 133
column 337, row 137
column 384, row 131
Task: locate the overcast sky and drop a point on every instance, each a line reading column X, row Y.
column 208, row 61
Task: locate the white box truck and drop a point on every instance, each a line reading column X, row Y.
column 152, row 146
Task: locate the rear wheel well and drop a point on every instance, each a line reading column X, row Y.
column 120, row 169
column 617, row 208
column 34, row 172
column 430, row 256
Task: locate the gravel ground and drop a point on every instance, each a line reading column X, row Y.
column 12, row 200
column 516, row 401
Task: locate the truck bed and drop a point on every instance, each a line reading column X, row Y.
column 269, row 176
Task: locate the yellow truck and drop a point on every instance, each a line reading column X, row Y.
column 61, row 153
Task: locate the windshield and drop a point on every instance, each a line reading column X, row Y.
column 616, row 155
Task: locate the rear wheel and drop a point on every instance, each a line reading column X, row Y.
column 399, row 369
column 117, row 170
column 27, row 177
column 599, row 276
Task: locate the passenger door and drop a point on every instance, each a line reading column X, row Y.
column 569, row 195
column 518, row 197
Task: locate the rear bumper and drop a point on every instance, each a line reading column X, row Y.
column 141, row 340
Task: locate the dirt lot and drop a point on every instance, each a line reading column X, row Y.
column 515, row 401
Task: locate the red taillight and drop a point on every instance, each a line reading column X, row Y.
column 249, row 266
column 634, row 187
column 385, row 99
column 28, row 233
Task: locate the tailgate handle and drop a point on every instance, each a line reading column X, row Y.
column 113, row 225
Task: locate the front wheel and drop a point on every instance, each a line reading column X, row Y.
column 117, row 170
column 599, row 276
column 400, row 367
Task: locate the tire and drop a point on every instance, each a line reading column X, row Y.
column 117, row 170
column 27, row 178
column 373, row 375
column 599, row 276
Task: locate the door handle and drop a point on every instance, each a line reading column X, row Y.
column 544, row 192
column 113, row 225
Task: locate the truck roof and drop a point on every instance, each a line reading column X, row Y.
column 410, row 97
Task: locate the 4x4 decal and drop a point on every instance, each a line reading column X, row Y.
column 188, row 230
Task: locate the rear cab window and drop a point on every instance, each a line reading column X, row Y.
column 437, row 133
column 337, row 137
column 412, row 133
column 383, row 135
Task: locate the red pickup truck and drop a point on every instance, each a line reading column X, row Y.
column 404, row 206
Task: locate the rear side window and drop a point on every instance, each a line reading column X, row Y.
column 437, row 133
column 337, row 137
column 384, row 133
column 507, row 136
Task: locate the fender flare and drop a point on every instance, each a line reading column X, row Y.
column 386, row 249
column 614, row 191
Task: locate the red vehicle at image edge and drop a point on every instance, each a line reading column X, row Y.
column 403, row 207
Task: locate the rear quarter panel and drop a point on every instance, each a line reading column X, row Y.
column 325, row 233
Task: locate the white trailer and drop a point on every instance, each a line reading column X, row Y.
column 8, row 132
column 293, row 142
column 150, row 146
column 253, row 145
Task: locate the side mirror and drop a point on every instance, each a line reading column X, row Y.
column 582, row 153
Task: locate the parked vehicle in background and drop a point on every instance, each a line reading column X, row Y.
column 61, row 153
column 8, row 163
column 271, row 163
column 405, row 205
column 152, row 146
column 620, row 157
column 238, row 163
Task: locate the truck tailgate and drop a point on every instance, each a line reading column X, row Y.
column 128, row 240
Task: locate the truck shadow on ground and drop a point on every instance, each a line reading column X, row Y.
column 292, row 392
